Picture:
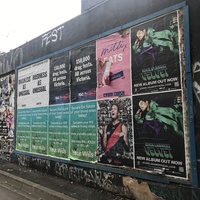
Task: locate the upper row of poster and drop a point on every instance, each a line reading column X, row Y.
column 142, row 59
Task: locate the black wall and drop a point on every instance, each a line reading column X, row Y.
column 89, row 4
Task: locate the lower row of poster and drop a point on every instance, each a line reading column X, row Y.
column 145, row 132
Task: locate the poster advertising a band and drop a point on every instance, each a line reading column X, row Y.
column 155, row 55
column 159, row 133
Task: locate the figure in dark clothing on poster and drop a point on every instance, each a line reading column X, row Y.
column 115, row 139
column 150, row 43
column 161, row 125
column 160, row 119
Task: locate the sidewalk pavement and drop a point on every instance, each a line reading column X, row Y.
column 47, row 187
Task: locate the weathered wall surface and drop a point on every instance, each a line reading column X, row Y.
column 113, row 13
column 89, row 4
column 123, row 185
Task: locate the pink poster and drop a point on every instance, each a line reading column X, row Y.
column 113, row 66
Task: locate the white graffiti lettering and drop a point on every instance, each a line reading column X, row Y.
column 52, row 36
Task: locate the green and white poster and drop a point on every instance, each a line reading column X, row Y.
column 32, row 104
column 59, row 131
column 39, row 130
column 83, row 128
column 23, row 129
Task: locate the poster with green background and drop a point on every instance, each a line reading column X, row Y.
column 58, row 144
column 23, row 129
column 83, row 131
column 39, row 130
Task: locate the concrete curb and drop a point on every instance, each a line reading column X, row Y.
column 31, row 187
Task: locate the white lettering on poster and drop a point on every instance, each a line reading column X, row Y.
column 82, row 70
column 59, row 75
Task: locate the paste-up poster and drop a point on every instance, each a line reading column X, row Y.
column 40, row 83
column 33, row 85
column 58, row 131
column 114, row 63
column 7, row 93
column 159, row 133
column 115, row 135
column 155, row 55
column 39, row 130
column 83, row 67
column 59, row 79
column 24, row 88
column 33, row 101
column 83, row 131
column 23, row 135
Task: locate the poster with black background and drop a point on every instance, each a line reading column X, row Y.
column 155, row 55
column 159, row 133
column 59, row 79
column 83, row 61
column 115, row 132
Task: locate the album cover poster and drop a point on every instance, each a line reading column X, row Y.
column 159, row 133
column 155, row 55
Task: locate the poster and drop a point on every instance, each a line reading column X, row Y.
column 83, row 87
column 58, row 131
column 155, row 55
column 23, row 129
column 24, row 87
column 59, row 79
column 115, row 133
column 40, row 84
column 39, row 130
column 159, row 133
column 83, row 131
column 33, row 85
column 32, row 102
column 7, row 93
column 113, row 70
